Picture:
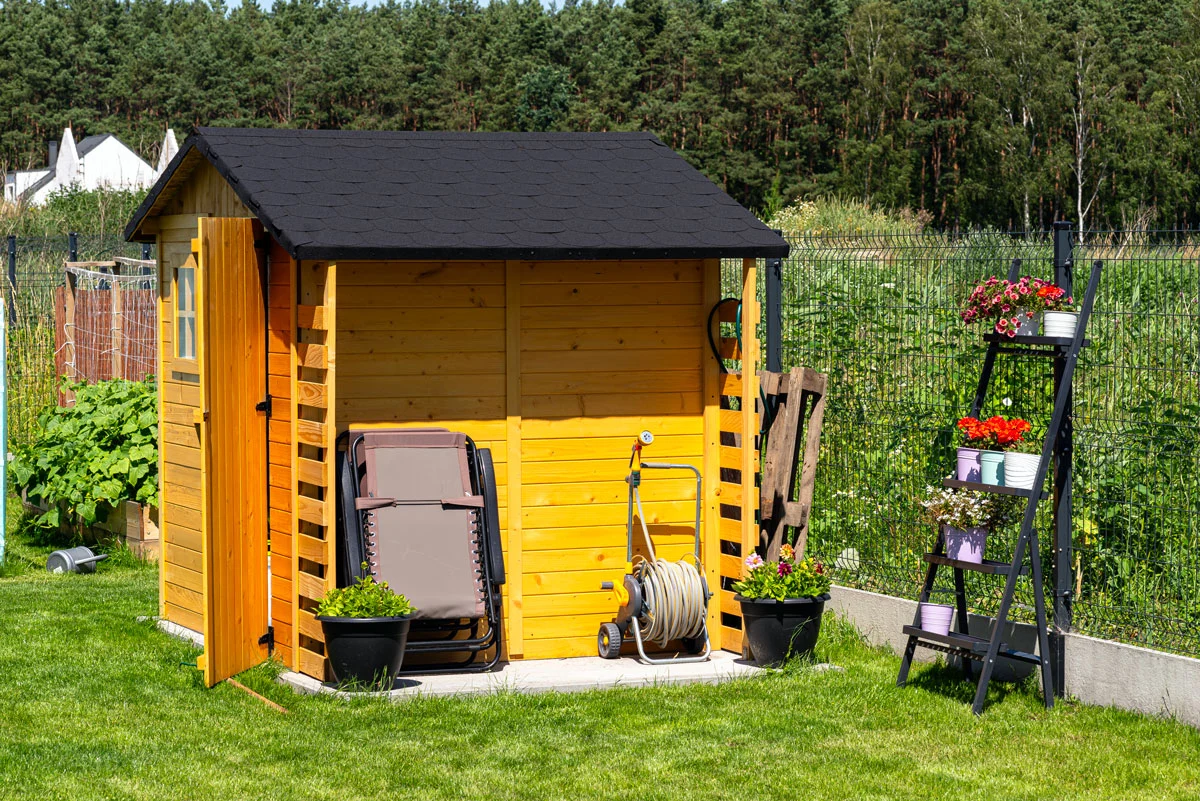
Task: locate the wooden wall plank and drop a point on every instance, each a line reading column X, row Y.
column 711, row 469
column 515, row 611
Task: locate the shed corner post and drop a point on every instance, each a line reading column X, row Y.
column 712, row 458
column 749, row 404
column 160, row 379
column 514, row 619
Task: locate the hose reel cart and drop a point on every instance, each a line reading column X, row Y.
column 660, row 600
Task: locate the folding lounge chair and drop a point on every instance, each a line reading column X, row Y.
column 419, row 507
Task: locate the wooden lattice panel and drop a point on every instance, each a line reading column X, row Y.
column 738, row 460
column 313, row 432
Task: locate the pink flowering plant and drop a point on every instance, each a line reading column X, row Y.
column 1009, row 303
column 791, row 577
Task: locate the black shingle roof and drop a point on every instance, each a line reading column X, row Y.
column 395, row 194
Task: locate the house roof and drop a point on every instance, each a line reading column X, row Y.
column 82, row 148
column 396, row 194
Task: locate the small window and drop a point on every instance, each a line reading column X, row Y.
column 185, row 310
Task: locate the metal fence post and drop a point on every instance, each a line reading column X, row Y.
column 11, row 294
column 1063, row 456
column 773, row 314
column 72, row 246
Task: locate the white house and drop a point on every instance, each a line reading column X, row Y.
column 96, row 162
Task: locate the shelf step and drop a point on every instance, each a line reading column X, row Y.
column 1038, row 341
column 992, row 488
column 965, row 642
column 988, row 566
column 966, row 646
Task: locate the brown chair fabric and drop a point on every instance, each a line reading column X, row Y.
column 424, row 541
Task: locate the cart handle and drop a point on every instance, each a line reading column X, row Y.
column 671, row 466
column 699, row 491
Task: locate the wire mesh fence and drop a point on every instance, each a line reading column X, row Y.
column 879, row 314
column 34, row 276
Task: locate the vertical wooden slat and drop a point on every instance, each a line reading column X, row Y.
column 163, row 522
column 118, row 326
column 330, row 302
column 712, row 462
column 749, row 403
column 514, row 618
column 294, row 278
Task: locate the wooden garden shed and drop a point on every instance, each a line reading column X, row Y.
column 547, row 294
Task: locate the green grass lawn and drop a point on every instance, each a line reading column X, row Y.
column 94, row 704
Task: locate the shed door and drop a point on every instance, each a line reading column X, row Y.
column 233, row 364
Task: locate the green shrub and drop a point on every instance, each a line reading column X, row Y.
column 87, row 458
column 367, row 598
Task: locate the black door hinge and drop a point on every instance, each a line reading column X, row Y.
column 268, row 639
column 264, row 405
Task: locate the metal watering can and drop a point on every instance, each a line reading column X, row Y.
column 74, row 560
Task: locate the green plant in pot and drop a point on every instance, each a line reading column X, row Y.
column 782, row 604
column 366, row 631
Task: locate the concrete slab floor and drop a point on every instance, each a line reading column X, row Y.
column 578, row 674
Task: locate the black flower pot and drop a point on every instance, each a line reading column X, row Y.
column 366, row 650
column 778, row 630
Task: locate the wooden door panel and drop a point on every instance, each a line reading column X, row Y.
column 234, row 370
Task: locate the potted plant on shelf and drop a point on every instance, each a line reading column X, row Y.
column 782, row 604
column 1013, row 305
column 935, row 618
column 985, row 442
column 1021, row 464
column 966, row 517
column 1061, row 319
column 366, row 631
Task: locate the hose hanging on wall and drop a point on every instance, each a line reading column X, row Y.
column 768, row 415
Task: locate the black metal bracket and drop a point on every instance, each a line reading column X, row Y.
column 268, row 639
column 264, row 405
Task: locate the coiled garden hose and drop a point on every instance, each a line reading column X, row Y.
column 673, row 602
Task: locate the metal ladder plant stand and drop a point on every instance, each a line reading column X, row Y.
column 960, row 643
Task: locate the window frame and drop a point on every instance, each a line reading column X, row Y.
column 179, row 313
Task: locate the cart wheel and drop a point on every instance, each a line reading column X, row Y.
column 693, row 645
column 608, row 642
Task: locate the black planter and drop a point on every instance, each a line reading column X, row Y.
column 367, row 650
column 777, row 630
